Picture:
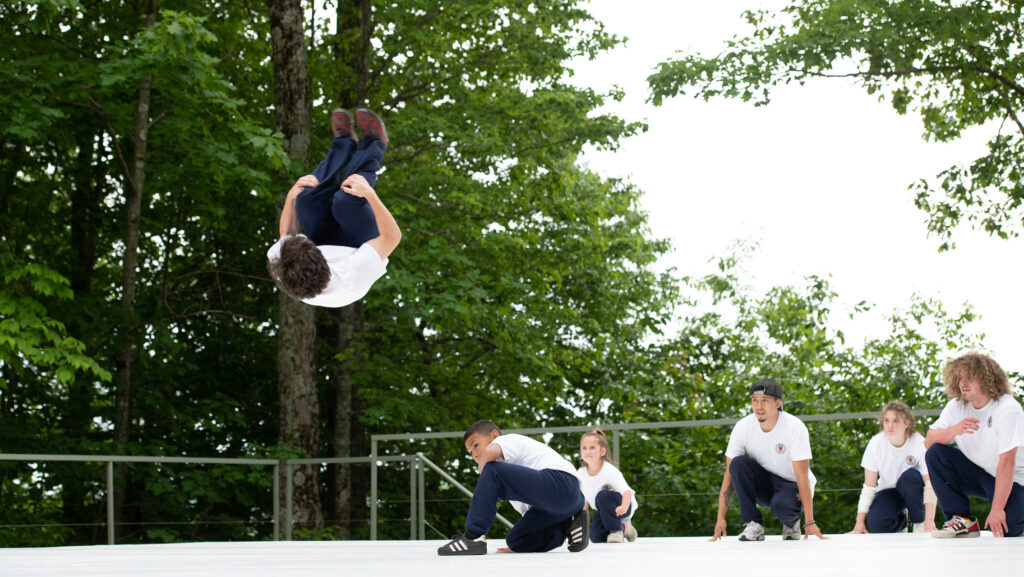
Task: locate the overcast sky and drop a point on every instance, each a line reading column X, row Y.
column 818, row 179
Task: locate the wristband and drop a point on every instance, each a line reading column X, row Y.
column 809, row 523
column 867, row 496
column 929, row 494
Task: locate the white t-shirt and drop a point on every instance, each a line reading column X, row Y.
column 610, row 478
column 353, row 272
column 775, row 450
column 1000, row 429
column 890, row 461
column 526, row 452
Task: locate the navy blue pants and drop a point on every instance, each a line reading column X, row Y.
column 955, row 477
column 553, row 497
column 756, row 486
column 886, row 513
column 605, row 520
column 329, row 215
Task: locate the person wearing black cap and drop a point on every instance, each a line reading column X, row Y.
column 767, row 463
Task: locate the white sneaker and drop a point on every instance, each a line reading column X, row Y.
column 615, row 537
column 754, row 531
column 791, row 533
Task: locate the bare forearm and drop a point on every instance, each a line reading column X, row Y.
column 724, row 497
column 940, row 436
column 806, row 499
column 1004, row 482
column 627, row 498
column 289, row 224
column 386, row 224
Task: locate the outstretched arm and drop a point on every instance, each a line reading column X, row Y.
column 867, row 496
column 289, row 221
column 803, row 483
column 390, row 234
column 996, row 521
column 724, row 496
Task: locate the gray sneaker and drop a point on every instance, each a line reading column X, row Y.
column 754, row 531
column 791, row 533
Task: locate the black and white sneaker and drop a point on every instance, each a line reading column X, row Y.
column 462, row 545
column 577, row 532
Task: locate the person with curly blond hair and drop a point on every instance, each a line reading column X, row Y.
column 987, row 425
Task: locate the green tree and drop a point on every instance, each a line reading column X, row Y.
column 956, row 64
column 72, row 171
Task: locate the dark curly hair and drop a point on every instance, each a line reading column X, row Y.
column 301, row 271
column 976, row 367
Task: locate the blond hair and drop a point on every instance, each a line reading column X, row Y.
column 976, row 367
column 602, row 440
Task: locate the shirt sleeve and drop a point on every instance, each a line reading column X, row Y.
column 510, row 448
column 735, row 447
column 618, row 482
column 801, row 445
column 1010, row 431
column 274, row 252
column 870, row 459
column 946, row 417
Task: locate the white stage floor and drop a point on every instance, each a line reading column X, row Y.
column 855, row 555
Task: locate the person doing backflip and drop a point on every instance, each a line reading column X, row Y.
column 349, row 233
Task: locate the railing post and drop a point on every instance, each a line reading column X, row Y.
column 423, row 499
column 288, row 483
column 615, row 447
column 412, row 499
column 110, row 502
column 277, row 501
column 373, row 489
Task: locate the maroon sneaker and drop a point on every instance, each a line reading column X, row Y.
column 371, row 125
column 341, row 123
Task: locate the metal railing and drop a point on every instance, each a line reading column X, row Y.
column 111, row 459
column 418, row 463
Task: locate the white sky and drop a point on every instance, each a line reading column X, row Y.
column 818, row 178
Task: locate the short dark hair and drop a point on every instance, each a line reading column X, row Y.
column 483, row 427
column 301, row 270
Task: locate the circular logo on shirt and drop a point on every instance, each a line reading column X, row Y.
column 911, row 460
column 780, row 448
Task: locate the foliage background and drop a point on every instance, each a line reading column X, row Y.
column 524, row 291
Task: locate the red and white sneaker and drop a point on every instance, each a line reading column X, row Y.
column 958, row 527
column 341, row 123
column 371, row 125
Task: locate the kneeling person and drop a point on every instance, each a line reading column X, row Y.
column 538, row 482
column 987, row 425
column 768, row 462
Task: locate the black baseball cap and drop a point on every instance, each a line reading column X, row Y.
column 767, row 387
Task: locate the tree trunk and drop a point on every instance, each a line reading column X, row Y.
column 124, row 399
column 296, row 348
column 348, row 435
